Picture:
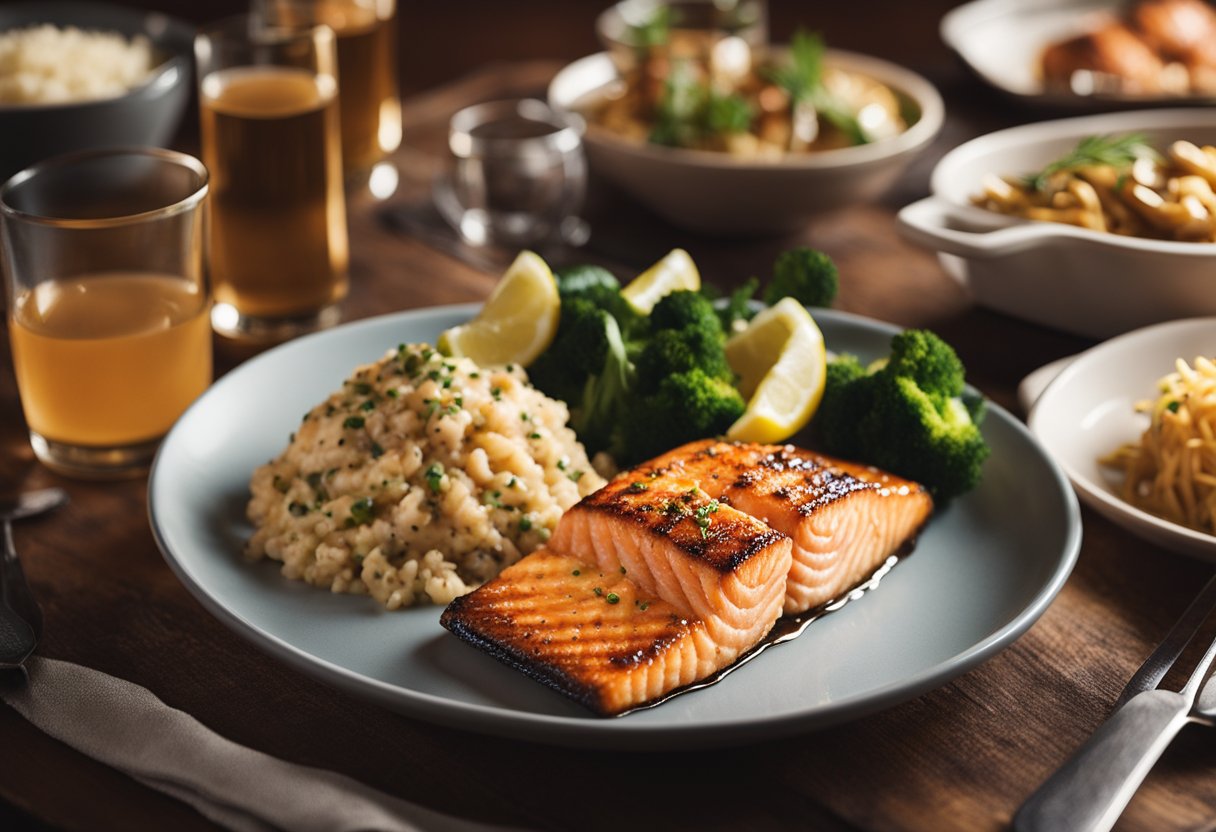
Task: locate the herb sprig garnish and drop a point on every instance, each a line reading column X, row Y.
column 802, row 80
column 1119, row 152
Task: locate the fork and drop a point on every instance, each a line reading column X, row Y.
column 1091, row 790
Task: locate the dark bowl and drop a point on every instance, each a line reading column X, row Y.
column 146, row 115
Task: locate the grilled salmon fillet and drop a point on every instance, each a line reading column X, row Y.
column 845, row 519
column 595, row 636
column 643, row 588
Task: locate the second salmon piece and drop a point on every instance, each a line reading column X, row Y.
column 845, row 519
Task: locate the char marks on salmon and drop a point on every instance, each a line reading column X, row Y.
column 845, row 519
column 675, row 569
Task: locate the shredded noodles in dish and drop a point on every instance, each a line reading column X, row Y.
column 1171, row 471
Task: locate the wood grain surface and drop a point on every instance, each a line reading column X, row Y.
column 959, row 758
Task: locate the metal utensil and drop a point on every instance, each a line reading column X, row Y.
column 20, row 617
column 1090, row 791
column 1162, row 659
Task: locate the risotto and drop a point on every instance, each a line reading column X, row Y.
column 418, row 480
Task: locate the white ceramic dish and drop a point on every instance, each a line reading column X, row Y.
column 979, row 577
column 714, row 193
column 1070, row 278
column 1088, row 411
column 1002, row 41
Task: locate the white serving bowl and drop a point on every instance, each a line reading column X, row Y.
column 1002, row 41
column 1088, row 411
column 714, row 193
column 1086, row 282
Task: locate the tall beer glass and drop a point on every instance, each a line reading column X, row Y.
column 270, row 138
column 368, row 102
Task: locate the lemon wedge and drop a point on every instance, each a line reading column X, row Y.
column 675, row 271
column 782, row 364
column 517, row 322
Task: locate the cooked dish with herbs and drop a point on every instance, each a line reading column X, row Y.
column 1171, row 470
column 707, row 90
column 1117, row 184
column 1152, row 48
column 417, row 480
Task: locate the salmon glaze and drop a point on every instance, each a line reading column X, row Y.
column 677, row 568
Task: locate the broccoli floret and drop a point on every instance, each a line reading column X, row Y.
column 684, row 407
column 907, row 415
column 737, row 311
column 804, row 274
column 685, row 308
column 929, row 361
column 574, row 281
column 597, row 415
column 671, row 351
column 579, row 349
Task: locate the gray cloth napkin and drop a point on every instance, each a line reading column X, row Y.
column 127, row 727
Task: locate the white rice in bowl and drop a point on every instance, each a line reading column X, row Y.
column 419, row 480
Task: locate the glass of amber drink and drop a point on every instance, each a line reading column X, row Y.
column 368, row 104
column 270, row 138
column 104, row 264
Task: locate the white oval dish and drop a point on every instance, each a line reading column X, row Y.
column 715, row 193
column 1088, row 410
column 1002, row 41
column 1088, row 282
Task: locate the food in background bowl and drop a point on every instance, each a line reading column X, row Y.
column 1154, row 47
column 1118, row 184
column 45, row 64
column 711, row 90
column 1171, row 470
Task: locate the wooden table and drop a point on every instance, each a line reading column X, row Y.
column 961, row 757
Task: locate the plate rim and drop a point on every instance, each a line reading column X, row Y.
column 615, row 733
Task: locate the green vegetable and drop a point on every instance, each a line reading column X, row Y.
column 738, row 306
column 808, row 276
column 802, row 80
column 653, row 31
column 434, row 476
column 909, row 415
column 361, row 512
column 1116, row 151
column 353, row 422
column 672, row 351
column 691, row 112
column 684, row 308
column 685, row 406
column 802, row 77
column 584, row 281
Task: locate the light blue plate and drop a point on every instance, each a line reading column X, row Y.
column 982, row 573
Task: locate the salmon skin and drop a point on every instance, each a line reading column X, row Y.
column 675, row 569
column 644, row 587
column 845, row 519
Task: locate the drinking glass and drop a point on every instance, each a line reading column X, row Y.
column 519, row 176
column 368, row 102
column 270, row 137
column 105, row 277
